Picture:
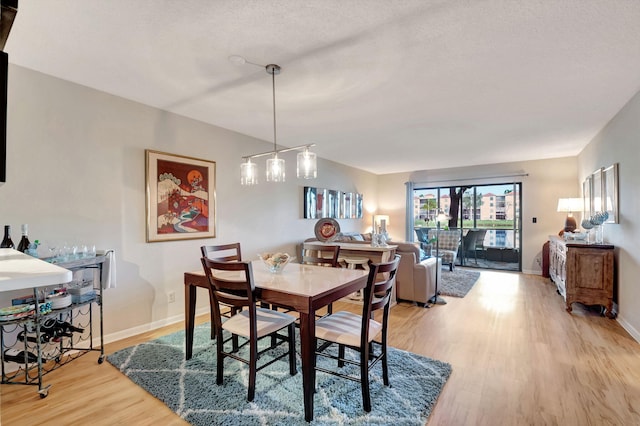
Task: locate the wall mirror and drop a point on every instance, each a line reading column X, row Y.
column 331, row 203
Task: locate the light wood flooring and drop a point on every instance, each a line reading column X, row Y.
column 518, row 359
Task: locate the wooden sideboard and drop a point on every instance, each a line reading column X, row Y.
column 582, row 273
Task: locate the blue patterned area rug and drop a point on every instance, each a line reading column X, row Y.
column 189, row 387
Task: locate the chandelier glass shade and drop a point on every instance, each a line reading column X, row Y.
column 275, row 169
column 307, row 165
column 248, row 173
column 275, row 166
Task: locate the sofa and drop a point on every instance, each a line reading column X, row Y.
column 415, row 279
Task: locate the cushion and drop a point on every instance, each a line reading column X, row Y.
column 345, row 328
column 268, row 321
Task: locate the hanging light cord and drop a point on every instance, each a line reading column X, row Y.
column 274, row 69
column 273, row 85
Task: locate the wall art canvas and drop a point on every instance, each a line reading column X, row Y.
column 180, row 195
column 610, row 194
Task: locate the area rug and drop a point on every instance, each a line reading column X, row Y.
column 189, row 387
column 457, row 283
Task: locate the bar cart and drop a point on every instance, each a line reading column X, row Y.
column 50, row 331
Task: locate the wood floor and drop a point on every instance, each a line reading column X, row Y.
column 518, row 359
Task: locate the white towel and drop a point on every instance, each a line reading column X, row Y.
column 109, row 269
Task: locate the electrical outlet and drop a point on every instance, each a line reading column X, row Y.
column 171, row 296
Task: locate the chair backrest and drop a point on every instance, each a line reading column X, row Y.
column 447, row 239
column 377, row 293
column 320, row 254
column 422, row 234
column 480, row 238
column 469, row 240
column 236, row 288
column 223, row 252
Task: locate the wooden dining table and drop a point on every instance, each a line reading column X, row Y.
column 303, row 288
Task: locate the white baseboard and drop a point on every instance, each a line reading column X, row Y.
column 123, row 334
column 629, row 328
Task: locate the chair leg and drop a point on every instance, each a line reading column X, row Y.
column 364, row 380
column 253, row 364
column 330, row 308
column 292, row 349
column 341, row 355
column 234, row 337
column 385, row 365
column 220, row 358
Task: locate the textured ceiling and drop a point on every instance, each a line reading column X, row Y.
column 381, row 85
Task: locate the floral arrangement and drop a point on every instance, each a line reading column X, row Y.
column 275, row 261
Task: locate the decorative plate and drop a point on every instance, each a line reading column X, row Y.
column 326, row 229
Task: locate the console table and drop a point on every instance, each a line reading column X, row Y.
column 376, row 254
column 582, row 273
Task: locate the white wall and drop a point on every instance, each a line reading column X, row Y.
column 618, row 143
column 546, row 181
column 76, row 171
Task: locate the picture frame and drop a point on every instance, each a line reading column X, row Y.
column 330, row 203
column 610, row 192
column 597, row 191
column 180, row 197
column 586, row 195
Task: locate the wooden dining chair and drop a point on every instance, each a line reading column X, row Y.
column 251, row 323
column 222, row 253
column 359, row 332
column 321, row 255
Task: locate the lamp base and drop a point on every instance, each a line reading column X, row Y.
column 437, row 300
column 570, row 224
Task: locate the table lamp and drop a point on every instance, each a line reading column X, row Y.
column 570, row 205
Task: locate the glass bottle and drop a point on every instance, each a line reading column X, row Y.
column 24, row 243
column 6, row 241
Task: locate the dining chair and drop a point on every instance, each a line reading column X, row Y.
column 322, row 255
column 359, row 332
column 222, row 253
column 252, row 323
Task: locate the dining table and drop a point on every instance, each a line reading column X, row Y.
column 300, row 287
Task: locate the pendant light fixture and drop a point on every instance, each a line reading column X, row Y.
column 307, row 164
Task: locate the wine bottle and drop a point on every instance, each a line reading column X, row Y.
column 23, row 245
column 6, row 241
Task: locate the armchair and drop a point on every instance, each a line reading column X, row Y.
column 415, row 279
column 448, row 243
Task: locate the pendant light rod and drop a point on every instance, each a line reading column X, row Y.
column 274, row 69
column 278, row 151
column 275, row 167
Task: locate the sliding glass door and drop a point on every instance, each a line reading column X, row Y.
column 487, row 216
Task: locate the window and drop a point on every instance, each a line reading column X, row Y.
column 493, row 208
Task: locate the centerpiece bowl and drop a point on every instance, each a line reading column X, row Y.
column 275, row 262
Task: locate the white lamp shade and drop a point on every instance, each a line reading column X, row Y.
column 442, row 217
column 307, row 165
column 570, row 205
column 275, row 169
column 248, row 173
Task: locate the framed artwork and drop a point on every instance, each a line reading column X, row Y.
column 610, row 192
column 330, row 203
column 586, row 195
column 180, row 195
column 596, row 191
